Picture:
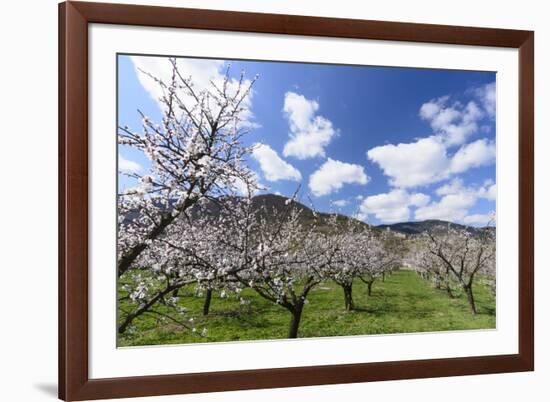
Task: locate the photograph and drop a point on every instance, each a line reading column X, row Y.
column 262, row 200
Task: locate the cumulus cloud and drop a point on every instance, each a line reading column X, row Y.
column 419, row 199
column 488, row 97
column 451, row 207
column 488, row 191
column 242, row 188
column 446, row 152
column 475, row 154
column 454, row 204
column 426, row 161
column 453, row 187
column 454, row 123
column 273, row 167
column 456, row 200
column 309, row 132
column 393, row 206
column 333, row 174
column 340, row 203
column 201, row 71
column 414, row 164
column 128, row 166
column 456, row 186
column 479, row 219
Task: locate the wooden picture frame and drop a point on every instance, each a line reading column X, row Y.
column 74, row 381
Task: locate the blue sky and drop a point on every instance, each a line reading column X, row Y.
column 384, row 144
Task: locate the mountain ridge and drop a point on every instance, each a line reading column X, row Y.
column 279, row 203
column 407, row 228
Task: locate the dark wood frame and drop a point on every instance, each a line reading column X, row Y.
column 74, row 383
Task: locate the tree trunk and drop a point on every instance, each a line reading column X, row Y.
column 348, row 297
column 295, row 320
column 449, row 290
column 369, row 287
column 126, row 323
column 207, row 300
column 470, row 295
column 383, row 277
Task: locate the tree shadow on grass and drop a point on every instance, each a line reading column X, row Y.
column 226, row 313
column 382, row 305
column 253, row 322
column 487, row 310
column 254, row 317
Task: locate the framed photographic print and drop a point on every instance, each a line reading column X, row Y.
column 259, row 200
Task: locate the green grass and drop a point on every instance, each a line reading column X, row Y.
column 403, row 303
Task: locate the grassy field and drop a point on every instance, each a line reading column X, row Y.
column 403, row 303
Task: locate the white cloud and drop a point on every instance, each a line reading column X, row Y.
column 426, row 161
column 201, row 71
column 414, row 164
column 273, row 167
column 309, row 133
column 456, row 122
column 455, row 203
column 475, row 154
column 419, row 199
column 393, row 206
column 455, row 186
column 479, row 219
column 128, row 166
column 332, row 175
column 431, row 159
column 488, row 191
column 242, row 188
column 488, row 97
column 340, row 203
column 453, row 123
column 451, row 207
